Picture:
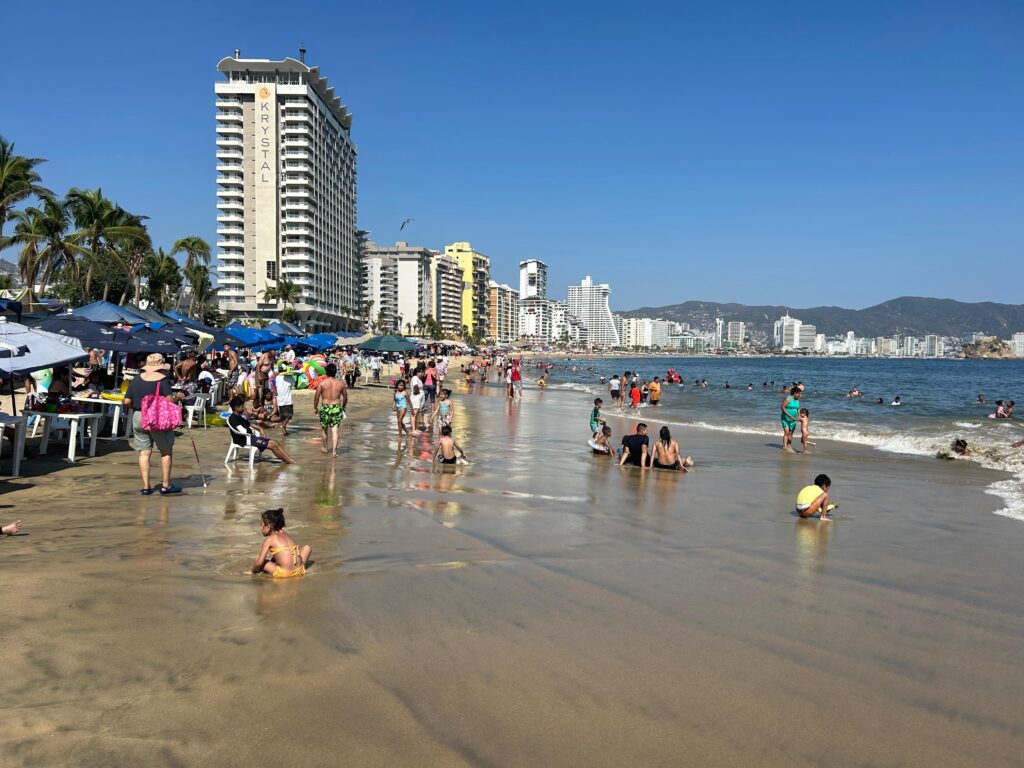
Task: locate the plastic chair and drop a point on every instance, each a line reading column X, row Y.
column 234, row 448
column 202, row 399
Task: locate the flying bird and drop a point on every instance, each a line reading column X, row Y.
column 404, row 223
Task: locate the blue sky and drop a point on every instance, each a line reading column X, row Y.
column 786, row 153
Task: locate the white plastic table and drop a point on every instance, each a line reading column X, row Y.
column 75, row 419
column 18, row 445
column 114, row 407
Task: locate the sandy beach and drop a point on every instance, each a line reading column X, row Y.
column 539, row 607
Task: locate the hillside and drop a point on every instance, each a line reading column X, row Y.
column 907, row 315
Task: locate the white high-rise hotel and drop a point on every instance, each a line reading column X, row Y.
column 286, row 192
column 589, row 303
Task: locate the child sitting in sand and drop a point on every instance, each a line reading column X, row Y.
column 814, row 498
column 603, row 441
column 280, row 556
column 447, row 446
column 804, row 417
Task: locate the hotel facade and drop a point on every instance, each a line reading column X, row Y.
column 589, row 302
column 286, row 192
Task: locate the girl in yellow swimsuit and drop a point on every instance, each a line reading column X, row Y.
column 280, row 556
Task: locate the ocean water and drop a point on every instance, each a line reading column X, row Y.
column 939, row 402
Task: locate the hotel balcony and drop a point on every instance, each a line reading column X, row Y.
column 230, row 142
column 230, row 129
column 235, row 118
column 231, row 217
column 231, row 244
column 223, row 103
column 230, row 154
column 230, row 205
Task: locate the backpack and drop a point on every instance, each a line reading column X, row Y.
column 158, row 414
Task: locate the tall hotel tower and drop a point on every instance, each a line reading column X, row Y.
column 589, row 302
column 286, row 192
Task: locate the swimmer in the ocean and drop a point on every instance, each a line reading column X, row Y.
column 981, row 399
column 896, row 401
column 814, row 498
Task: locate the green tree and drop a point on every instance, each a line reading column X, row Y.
column 202, row 290
column 99, row 223
column 19, row 180
column 197, row 252
column 163, row 279
column 367, row 314
column 286, row 292
column 346, row 313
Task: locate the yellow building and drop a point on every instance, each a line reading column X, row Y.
column 476, row 276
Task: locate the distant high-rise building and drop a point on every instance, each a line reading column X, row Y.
column 589, row 303
column 719, row 333
column 503, row 313
column 535, row 320
column 735, row 333
column 1017, row 344
column 446, row 277
column 565, row 326
column 476, row 278
column 533, row 279
column 787, row 332
column 807, row 336
column 286, row 192
column 933, row 346
column 404, row 269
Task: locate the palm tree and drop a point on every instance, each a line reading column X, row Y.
column 41, row 233
column 18, row 180
column 198, row 276
column 134, row 259
column 286, row 292
column 197, row 251
column 346, row 313
column 163, row 279
column 99, row 222
column 367, row 314
column 201, row 288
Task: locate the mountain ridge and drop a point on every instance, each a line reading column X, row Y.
column 905, row 315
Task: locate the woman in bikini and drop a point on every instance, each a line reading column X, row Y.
column 280, row 556
column 666, row 454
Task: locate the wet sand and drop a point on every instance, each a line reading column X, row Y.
column 538, row 607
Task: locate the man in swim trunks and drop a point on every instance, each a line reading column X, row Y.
column 329, row 404
column 814, row 498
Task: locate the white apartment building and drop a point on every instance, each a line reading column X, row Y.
column 380, row 285
column 446, row 275
column 535, row 319
column 566, row 326
column 643, row 332
column 735, row 333
column 398, row 281
column 286, row 192
column 589, row 302
column 502, row 313
column 533, row 279
column 1016, row 343
column 933, row 346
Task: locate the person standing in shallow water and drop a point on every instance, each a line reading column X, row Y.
column 329, row 404
column 790, row 417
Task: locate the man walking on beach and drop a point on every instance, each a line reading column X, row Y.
column 329, row 404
